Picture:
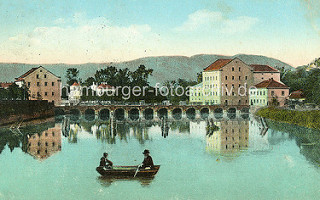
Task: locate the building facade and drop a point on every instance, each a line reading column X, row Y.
column 265, row 72
column 269, row 90
column 196, row 94
column 228, row 81
column 42, row 84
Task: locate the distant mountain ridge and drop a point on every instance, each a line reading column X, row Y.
column 165, row 67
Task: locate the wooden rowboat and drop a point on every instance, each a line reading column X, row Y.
column 127, row 171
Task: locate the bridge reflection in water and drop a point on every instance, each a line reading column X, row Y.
column 138, row 113
column 235, row 134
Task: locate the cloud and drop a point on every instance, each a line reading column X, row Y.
column 312, row 8
column 80, row 40
column 215, row 21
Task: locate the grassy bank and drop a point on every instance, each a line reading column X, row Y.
column 309, row 119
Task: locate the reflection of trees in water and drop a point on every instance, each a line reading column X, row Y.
column 308, row 140
column 18, row 137
column 10, row 139
column 181, row 126
column 109, row 132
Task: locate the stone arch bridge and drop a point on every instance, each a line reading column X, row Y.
column 135, row 112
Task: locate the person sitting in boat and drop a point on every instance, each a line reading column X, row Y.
column 147, row 162
column 105, row 162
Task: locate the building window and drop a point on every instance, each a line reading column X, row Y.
column 232, row 77
column 239, row 69
column 37, row 76
column 45, row 76
column 45, row 93
column 52, row 83
column 38, row 94
column 272, row 93
column 226, row 77
column 38, row 83
column 282, row 93
column 52, row 93
column 45, row 83
column 232, row 68
column 262, row 78
column 239, row 78
column 264, row 92
column 29, row 84
column 246, row 77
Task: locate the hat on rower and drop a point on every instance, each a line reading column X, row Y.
column 146, row 151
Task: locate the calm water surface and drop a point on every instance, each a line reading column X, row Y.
column 241, row 160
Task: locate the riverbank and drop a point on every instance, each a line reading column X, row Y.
column 21, row 111
column 309, row 119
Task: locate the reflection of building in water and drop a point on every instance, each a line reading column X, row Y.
column 232, row 137
column 258, row 137
column 197, row 128
column 46, row 143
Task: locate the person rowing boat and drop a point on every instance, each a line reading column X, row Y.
column 105, row 162
column 147, row 161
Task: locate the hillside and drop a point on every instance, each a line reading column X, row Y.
column 165, row 67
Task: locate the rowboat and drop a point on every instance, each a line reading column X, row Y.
column 127, row 171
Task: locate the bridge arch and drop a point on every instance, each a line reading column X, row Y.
column 163, row 113
column 177, row 113
column 218, row 113
column 134, row 114
column 245, row 110
column 148, row 114
column 89, row 114
column 119, row 114
column 204, row 113
column 104, row 114
column 191, row 113
column 232, row 110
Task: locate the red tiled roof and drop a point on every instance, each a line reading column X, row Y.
column 297, row 95
column 217, row 64
column 28, row 72
column 104, row 86
column 75, row 84
column 5, row 85
column 271, row 84
column 263, row 68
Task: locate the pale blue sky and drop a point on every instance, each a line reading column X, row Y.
column 55, row 31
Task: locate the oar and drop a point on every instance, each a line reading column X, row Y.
column 136, row 171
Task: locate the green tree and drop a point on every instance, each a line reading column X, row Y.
column 72, row 76
column 140, row 76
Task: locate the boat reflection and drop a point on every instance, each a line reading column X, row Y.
column 108, row 181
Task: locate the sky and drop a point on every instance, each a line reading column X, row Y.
column 82, row 31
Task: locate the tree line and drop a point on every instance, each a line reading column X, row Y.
column 14, row 92
column 307, row 80
column 124, row 77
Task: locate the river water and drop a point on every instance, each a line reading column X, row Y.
column 240, row 160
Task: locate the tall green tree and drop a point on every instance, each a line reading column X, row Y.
column 72, row 76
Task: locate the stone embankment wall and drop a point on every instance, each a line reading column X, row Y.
column 18, row 111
